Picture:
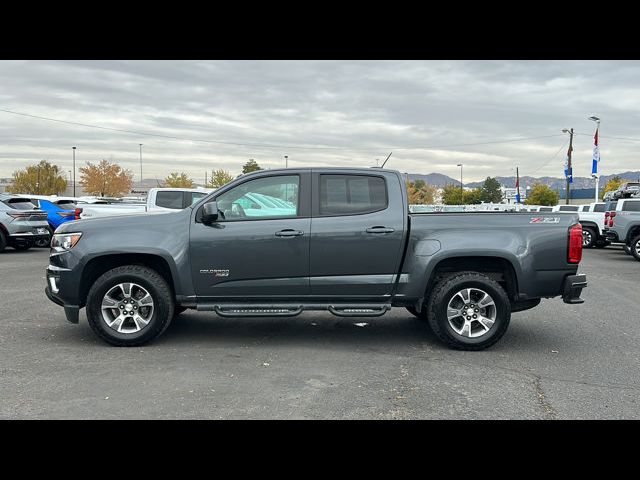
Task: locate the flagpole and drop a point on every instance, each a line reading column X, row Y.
column 596, row 149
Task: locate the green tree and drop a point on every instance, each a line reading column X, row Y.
column 219, row 178
column 451, row 195
column 251, row 166
column 471, row 197
column 490, row 191
column 40, row 179
column 612, row 184
column 420, row 193
column 178, row 180
column 541, row 194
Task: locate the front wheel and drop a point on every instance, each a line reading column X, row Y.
column 469, row 311
column 130, row 305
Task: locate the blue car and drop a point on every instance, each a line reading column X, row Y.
column 57, row 214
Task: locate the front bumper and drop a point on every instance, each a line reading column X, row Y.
column 53, row 292
column 572, row 288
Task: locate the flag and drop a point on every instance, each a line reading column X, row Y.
column 596, row 154
column 568, row 172
column 517, row 186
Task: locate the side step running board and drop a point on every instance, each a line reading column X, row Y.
column 291, row 310
column 257, row 310
column 359, row 310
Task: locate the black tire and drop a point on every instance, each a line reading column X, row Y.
column 446, row 289
column 588, row 237
column 23, row 246
column 3, row 241
column 635, row 248
column 147, row 278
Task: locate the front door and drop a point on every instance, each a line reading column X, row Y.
column 259, row 247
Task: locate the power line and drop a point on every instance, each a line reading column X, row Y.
column 551, row 159
column 134, row 132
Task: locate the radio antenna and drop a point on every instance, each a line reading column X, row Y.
column 383, row 163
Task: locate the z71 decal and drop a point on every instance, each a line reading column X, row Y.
column 545, row 220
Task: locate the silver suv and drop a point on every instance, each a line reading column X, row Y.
column 21, row 223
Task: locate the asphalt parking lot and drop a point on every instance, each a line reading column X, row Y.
column 556, row 361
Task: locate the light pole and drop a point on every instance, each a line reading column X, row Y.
column 286, row 161
column 596, row 153
column 141, row 164
column 461, row 191
column 569, row 172
column 74, row 171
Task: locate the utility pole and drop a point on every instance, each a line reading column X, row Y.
column 141, row 164
column 74, row 171
column 569, row 172
column 461, row 189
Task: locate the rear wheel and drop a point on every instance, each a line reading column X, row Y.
column 3, row 241
column 635, row 248
column 469, row 311
column 588, row 237
column 130, row 305
column 23, row 246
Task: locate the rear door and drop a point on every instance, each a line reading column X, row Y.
column 357, row 228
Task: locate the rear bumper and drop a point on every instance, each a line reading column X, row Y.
column 572, row 288
column 25, row 238
column 611, row 236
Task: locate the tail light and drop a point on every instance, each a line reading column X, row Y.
column 611, row 215
column 77, row 213
column 575, row 244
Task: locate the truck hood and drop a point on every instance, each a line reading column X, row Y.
column 114, row 225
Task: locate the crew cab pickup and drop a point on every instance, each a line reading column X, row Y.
column 159, row 200
column 592, row 220
column 341, row 240
column 623, row 225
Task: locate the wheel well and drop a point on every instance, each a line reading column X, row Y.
column 100, row 265
column 633, row 232
column 496, row 268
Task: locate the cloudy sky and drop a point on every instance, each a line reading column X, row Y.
column 431, row 114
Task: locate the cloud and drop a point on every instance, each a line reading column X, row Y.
column 352, row 112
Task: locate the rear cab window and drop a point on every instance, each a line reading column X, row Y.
column 600, row 207
column 631, row 206
column 170, row 200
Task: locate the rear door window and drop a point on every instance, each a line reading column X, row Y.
column 352, row 194
column 170, row 200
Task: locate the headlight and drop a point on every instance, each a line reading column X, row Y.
column 61, row 242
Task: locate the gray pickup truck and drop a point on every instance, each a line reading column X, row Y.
column 280, row 242
column 622, row 224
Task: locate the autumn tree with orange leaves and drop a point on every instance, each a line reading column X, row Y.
column 106, row 179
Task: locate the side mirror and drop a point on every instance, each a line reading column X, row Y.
column 210, row 212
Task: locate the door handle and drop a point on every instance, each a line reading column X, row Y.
column 380, row 230
column 289, row 233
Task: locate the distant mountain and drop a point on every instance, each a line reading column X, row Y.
column 435, row 179
column 439, row 180
column 559, row 182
